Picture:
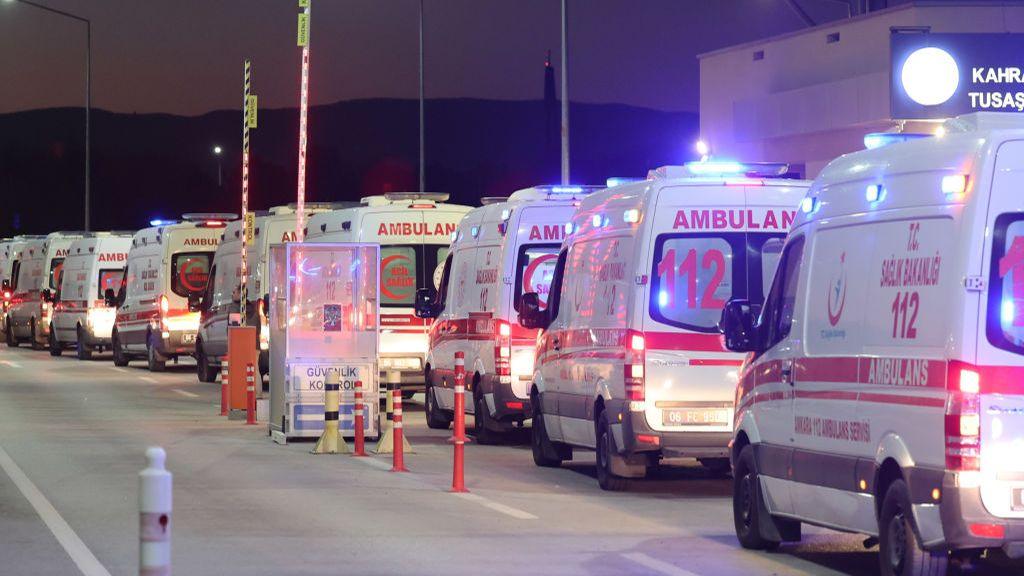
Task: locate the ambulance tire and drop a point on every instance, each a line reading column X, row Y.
column 33, row 340
column 482, row 430
column 12, row 342
column 82, row 350
column 607, row 479
column 204, row 371
column 120, row 358
column 154, row 361
column 437, row 419
column 748, row 509
column 898, row 550
column 52, row 343
column 546, row 453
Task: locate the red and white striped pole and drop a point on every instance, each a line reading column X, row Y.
column 459, row 438
column 250, row 394
column 359, row 421
column 398, row 462
column 225, row 386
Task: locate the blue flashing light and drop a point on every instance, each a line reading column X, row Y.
column 595, row 221
column 874, row 193
column 662, row 298
column 1007, row 311
column 713, row 167
column 619, row 181
column 808, row 205
column 156, row 222
column 567, row 189
column 879, row 139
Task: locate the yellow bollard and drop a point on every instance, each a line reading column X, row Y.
column 331, row 441
column 385, row 445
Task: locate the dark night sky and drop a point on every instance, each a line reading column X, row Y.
column 185, row 56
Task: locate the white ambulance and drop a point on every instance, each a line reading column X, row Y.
column 630, row 361
column 414, row 231
column 81, row 316
column 219, row 306
column 36, row 274
column 501, row 250
column 167, row 264
column 10, row 253
column 884, row 392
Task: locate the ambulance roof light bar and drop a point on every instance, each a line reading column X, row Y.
column 567, row 190
column 430, row 196
column 880, row 139
column 488, row 200
column 158, row 222
column 208, row 216
column 724, row 168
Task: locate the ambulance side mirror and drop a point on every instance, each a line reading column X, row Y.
column 739, row 326
column 109, row 298
column 195, row 302
column 426, row 303
column 531, row 315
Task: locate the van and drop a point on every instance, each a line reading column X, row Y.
column 168, row 264
column 36, row 276
column 630, row 362
column 81, row 317
column 414, row 230
column 219, row 306
column 884, row 391
column 501, row 250
column 10, row 252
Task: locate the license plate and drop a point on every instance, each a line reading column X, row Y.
column 1018, row 499
column 695, row 417
column 188, row 338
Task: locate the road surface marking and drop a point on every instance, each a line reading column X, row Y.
column 185, row 393
column 497, row 507
column 656, row 565
column 72, row 544
column 119, row 369
column 148, row 379
column 11, row 364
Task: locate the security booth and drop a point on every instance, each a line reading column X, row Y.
column 324, row 316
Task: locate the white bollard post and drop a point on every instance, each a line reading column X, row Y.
column 155, row 484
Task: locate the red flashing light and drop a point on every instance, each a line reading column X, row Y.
column 963, row 417
column 503, row 349
column 633, row 367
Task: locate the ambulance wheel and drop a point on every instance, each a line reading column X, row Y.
column 33, row 339
column 437, row 419
column 204, row 371
column 82, row 350
column 898, row 551
column 120, row 358
column 607, row 479
column 546, row 453
column 12, row 342
column 482, row 422
column 154, row 360
column 748, row 509
column 52, row 343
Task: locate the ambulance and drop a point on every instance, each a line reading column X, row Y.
column 10, row 250
column 36, row 276
column 884, row 391
column 501, row 250
column 630, row 362
column 414, row 231
column 219, row 305
column 81, row 316
column 168, row 264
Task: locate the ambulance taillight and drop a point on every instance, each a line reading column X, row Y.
column 963, row 418
column 503, row 350
column 634, row 365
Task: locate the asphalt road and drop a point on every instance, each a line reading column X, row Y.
column 73, row 434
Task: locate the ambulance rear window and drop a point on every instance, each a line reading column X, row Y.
column 110, row 279
column 56, row 266
column 694, row 275
column 535, row 267
column 1005, row 326
column 189, row 272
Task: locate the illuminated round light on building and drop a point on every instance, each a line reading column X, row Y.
column 930, row 76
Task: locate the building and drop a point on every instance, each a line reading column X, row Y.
column 809, row 96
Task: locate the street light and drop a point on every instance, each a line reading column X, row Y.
column 218, row 152
column 88, row 86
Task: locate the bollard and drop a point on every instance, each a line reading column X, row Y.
column 225, row 387
column 459, row 437
column 155, row 484
column 398, row 462
column 359, row 421
column 250, row 394
column 331, row 441
column 386, row 441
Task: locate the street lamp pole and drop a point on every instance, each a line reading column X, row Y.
column 423, row 166
column 565, row 93
column 88, row 90
column 217, row 151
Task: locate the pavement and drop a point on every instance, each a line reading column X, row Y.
column 73, row 435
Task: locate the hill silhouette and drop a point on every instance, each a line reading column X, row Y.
column 159, row 165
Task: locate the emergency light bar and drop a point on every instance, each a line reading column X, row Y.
column 158, row 222
column 432, row 196
column 559, row 189
column 879, row 139
column 208, row 216
column 721, row 168
column 620, row 180
column 488, row 200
